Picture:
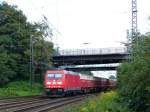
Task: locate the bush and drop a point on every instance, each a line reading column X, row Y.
column 105, row 102
column 20, row 88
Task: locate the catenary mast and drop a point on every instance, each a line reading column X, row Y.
column 134, row 20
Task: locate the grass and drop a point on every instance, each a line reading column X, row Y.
column 20, row 88
column 105, row 102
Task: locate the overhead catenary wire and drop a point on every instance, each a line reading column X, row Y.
column 40, row 11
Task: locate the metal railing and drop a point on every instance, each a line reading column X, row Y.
column 68, row 52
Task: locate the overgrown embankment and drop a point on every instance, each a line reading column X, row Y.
column 20, row 88
column 134, row 77
column 104, row 102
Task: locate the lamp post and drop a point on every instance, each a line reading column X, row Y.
column 31, row 63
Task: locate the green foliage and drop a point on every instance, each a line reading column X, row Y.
column 5, row 68
column 20, row 88
column 15, row 33
column 134, row 77
column 105, row 102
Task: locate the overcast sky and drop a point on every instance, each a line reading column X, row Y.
column 101, row 23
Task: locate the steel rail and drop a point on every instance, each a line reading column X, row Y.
column 32, row 105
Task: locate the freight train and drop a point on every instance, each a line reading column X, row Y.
column 63, row 82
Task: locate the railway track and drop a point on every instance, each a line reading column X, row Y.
column 36, row 104
column 18, row 97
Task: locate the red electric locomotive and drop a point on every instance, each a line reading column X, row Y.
column 62, row 82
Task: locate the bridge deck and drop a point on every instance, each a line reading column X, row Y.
column 98, row 51
column 90, row 56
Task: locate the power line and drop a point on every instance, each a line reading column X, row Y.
column 45, row 19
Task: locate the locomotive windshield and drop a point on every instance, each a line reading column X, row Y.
column 49, row 75
column 58, row 75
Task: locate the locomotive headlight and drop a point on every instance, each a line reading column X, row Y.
column 48, row 82
column 59, row 82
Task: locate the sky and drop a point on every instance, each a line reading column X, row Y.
column 100, row 23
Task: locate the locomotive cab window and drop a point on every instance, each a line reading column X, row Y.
column 50, row 75
column 54, row 76
column 58, row 75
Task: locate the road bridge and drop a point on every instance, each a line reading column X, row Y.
column 90, row 56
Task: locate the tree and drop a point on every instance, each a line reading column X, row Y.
column 15, row 33
column 134, row 77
